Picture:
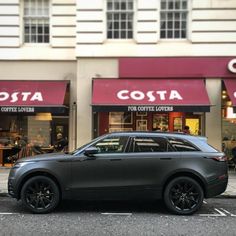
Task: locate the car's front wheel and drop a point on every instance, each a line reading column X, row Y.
column 40, row 194
column 183, row 196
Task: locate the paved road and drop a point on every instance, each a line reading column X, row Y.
column 217, row 217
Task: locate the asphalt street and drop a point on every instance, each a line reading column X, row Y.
column 216, row 217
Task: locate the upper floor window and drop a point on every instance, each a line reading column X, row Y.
column 174, row 19
column 36, row 21
column 120, row 19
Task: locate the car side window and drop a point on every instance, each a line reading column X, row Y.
column 181, row 145
column 149, row 144
column 111, row 144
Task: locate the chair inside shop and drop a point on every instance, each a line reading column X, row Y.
column 12, row 154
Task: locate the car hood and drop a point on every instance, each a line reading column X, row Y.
column 46, row 157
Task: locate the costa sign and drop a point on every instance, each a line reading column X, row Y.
column 151, row 96
column 32, row 93
column 232, row 66
column 21, row 96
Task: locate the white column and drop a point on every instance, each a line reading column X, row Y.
column 88, row 69
column 213, row 118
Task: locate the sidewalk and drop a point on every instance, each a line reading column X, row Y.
column 230, row 191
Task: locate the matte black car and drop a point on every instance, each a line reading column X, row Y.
column 181, row 169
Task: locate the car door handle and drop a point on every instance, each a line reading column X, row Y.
column 165, row 158
column 117, row 159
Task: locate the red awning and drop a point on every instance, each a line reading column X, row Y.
column 32, row 93
column 230, row 85
column 158, row 94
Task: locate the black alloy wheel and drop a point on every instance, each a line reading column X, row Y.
column 40, row 194
column 183, row 196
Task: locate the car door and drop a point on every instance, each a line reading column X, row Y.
column 100, row 176
column 150, row 159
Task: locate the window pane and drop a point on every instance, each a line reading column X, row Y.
column 163, row 25
column 27, row 38
column 123, row 16
column 177, row 34
column 109, row 34
column 46, row 29
column 170, row 24
column 177, row 25
column 163, row 34
column 123, row 6
column 123, row 34
column 149, row 144
column 182, row 145
column 184, row 5
column 169, row 34
column 111, row 145
column 109, row 5
column 116, row 6
column 116, row 34
column 130, row 25
column 170, row 5
column 130, row 5
column 46, row 38
column 116, row 25
column 163, row 5
column 130, row 34
column 177, row 5
column 40, row 39
column 170, row 16
column 123, row 25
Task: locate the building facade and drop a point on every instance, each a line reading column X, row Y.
column 124, row 65
column 38, row 68
column 156, row 47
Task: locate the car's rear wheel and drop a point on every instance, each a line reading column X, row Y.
column 40, row 194
column 183, row 196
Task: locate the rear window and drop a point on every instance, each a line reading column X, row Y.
column 182, row 145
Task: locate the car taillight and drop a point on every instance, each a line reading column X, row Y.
column 220, row 158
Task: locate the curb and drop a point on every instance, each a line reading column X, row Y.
column 225, row 196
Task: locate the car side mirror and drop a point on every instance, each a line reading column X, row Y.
column 89, row 152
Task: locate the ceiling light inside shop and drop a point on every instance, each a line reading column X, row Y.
column 43, row 116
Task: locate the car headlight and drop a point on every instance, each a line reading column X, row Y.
column 21, row 164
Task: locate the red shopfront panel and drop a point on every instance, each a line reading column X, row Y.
column 176, row 67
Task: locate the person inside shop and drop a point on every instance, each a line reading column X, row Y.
column 19, row 142
column 61, row 143
column 234, row 155
column 186, row 129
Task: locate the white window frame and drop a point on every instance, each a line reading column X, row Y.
column 36, row 17
column 127, row 11
column 187, row 11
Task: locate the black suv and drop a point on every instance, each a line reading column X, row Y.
column 181, row 169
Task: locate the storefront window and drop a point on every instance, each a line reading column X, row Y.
column 228, row 126
column 26, row 135
column 105, row 122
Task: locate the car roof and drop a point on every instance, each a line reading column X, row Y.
column 160, row 133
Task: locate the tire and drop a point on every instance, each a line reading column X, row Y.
column 183, row 196
column 40, row 194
